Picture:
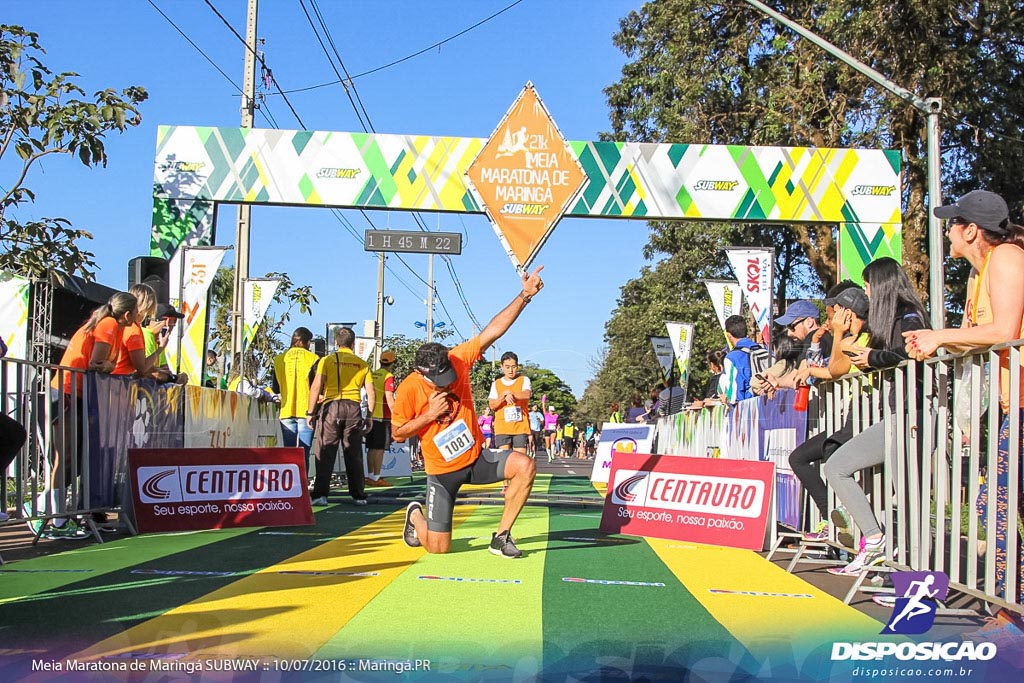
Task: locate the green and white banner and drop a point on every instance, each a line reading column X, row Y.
column 14, row 293
column 197, row 167
column 664, row 353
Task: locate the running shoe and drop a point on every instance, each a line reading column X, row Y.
column 884, row 599
column 361, row 501
column 409, row 531
column 322, row 500
column 69, row 531
column 820, row 532
column 4, row 516
column 502, row 545
column 34, row 525
column 842, row 524
column 870, row 555
column 378, row 482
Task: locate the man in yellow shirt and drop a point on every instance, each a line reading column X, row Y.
column 339, row 378
column 379, row 438
column 291, row 381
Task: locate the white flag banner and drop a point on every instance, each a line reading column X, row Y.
column 753, row 269
column 663, row 352
column 727, row 298
column 681, row 336
column 258, row 294
column 192, row 270
column 364, row 347
column 14, row 305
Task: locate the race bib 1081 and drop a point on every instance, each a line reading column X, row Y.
column 454, row 440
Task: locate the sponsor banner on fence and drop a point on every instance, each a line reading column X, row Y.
column 123, row 414
column 216, row 488
column 681, row 336
column 225, row 419
column 396, row 462
column 619, row 436
column 719, row 502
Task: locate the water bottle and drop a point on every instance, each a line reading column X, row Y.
column 802, row 393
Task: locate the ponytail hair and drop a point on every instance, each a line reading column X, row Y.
column 1014, row 235
column 118, row 305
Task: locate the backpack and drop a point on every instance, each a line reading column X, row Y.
column 760, row 361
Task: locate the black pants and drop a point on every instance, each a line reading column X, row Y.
column 806, row 462
column 12, row 438
column 340, row 425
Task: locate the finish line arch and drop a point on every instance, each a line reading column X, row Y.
column 197, row 168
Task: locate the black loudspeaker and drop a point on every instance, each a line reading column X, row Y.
column 319, row 346
column 153, row 271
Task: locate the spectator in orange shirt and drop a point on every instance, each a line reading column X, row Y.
column 132, row 359
column 435, row 403
column 94, row 347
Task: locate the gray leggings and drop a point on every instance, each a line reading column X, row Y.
column 865, row 450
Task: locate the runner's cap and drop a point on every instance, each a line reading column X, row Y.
column 986, row 209
column 441, row 373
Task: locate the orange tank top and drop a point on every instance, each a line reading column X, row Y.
column 513, row 419
column 979, row 312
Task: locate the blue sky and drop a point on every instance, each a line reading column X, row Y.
column 462, row 88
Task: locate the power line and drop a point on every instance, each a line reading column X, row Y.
column 267, row 71
column 408, row 57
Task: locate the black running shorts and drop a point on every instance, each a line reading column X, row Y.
column 442, row 488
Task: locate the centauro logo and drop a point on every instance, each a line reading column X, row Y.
column 716, row 185
column 343, row 173
column 189, row 166
column 192, row 483
column 873, row 190
column 624, row 490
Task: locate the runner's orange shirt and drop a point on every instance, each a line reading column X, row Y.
column 412, row 400
column 79, row 350
column 131, row 340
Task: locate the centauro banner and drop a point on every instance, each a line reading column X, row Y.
column 727, row 298
column 259, row 293
column 753, row 269
column 191, row 272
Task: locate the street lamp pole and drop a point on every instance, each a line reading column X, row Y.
column 931, row 107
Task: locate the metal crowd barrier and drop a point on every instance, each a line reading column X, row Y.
column 57, row 437
column 943, row 435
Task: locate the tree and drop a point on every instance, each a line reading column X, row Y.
column 271, row 337
column 41, row 114
column 724, row 73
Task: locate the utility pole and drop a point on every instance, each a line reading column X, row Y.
column 380, row 310
column 430, row 297
column 244, row 210
column 931, row 107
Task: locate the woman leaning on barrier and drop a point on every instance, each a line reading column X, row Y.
column 94, row 348
column 979, row 230
column 894, row 310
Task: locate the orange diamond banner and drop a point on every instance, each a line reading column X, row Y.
column 525, row 177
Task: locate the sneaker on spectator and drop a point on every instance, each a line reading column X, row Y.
column 842, row 524
column 361, row 501
column 34, row 525
column 378, row 482
column 502, row 545
column 870, row 555
column 4, row 516
column 322, row 500
column 69, row 531
column 820, row 532
column 884, row 599
column 409, row 531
